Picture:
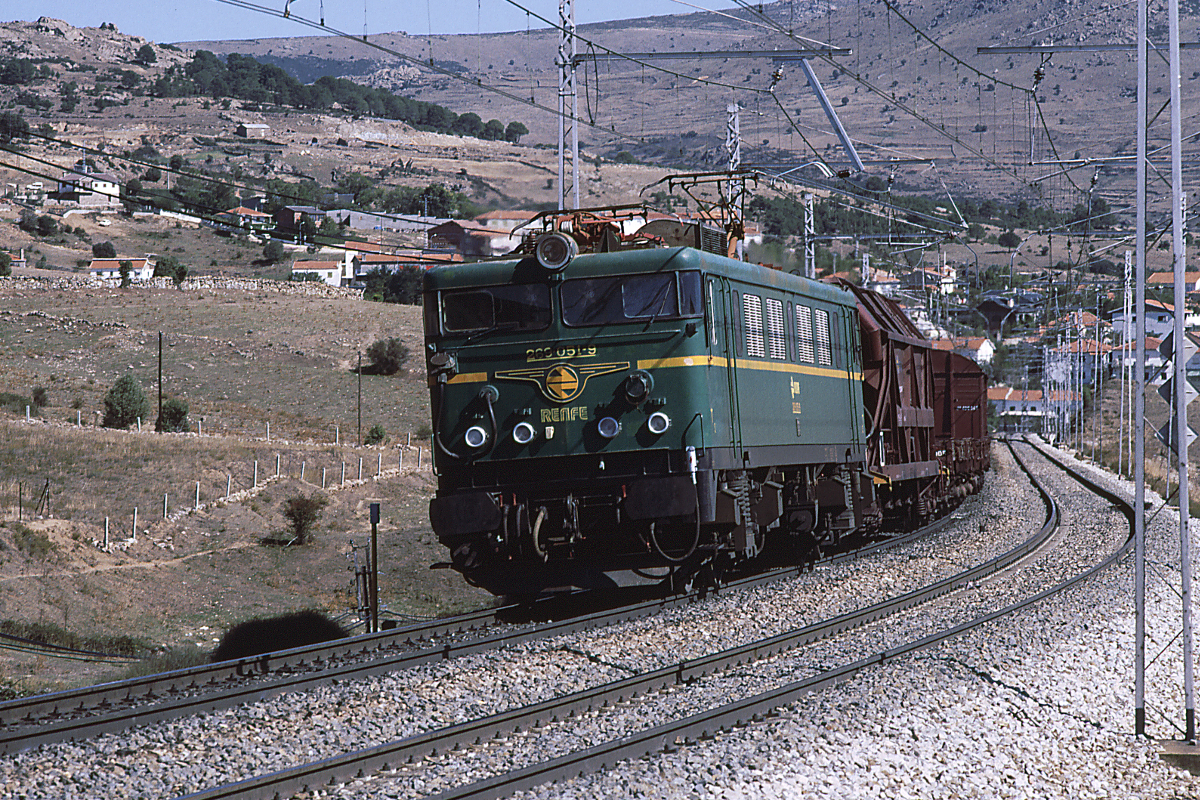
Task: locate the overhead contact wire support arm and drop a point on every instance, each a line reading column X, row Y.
column 823, row 99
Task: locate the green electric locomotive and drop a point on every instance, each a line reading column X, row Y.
column 644, row 414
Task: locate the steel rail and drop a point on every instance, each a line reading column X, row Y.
column 726, row 717
column 381, row 757
column 110, row 707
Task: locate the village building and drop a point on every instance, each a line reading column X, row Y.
column 105, row 269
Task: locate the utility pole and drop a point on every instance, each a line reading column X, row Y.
column 160, row 377
column 568, row 107
column 1179, row 246
column 374, row 623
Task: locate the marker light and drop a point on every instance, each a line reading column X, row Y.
column 523, row 433
column 608, row 427
column 475, row 437
column 658, row 423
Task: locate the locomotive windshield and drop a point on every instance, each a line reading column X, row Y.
column 631, row 298
column 516, row 307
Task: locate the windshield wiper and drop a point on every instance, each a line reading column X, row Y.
column 499, row 326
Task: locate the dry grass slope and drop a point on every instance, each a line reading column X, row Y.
column 241, row 359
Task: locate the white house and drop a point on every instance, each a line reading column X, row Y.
column 140, row 269
column 334, row 273
column 1160, row 318
column 89, row 188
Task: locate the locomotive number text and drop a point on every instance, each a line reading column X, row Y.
column 558, row 353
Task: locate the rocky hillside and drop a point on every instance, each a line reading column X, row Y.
column 927, row 112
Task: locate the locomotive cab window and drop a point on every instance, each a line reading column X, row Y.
column 514, row 307
column 631, row 298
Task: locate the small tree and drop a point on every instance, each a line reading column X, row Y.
column 302, row 514
column 41, row 398
column 47, row 225
column 171, row 267
column 12, row 126
column 388, row 355
column 1008, row 240
column 5, row 264
column 174, row 417
column 146, row 54
column 515, row 131
column 272, row 251
column 104, row 250
column 377, row 435
column 125, row 403
column 126, row 268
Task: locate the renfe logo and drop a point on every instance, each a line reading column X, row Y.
column 561, row 383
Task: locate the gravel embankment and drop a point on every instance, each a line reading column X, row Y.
column 931, row 725
column 1036, row 706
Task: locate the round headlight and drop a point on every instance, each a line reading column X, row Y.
column 523, row 433
column 475, row 437
column 555, row 250
column 658, row 423
column 608, row 427
column 638, row 386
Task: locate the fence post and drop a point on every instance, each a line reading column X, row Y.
column 164, row 505
column 379, row 466
column 277, row 465
column 26, row 413
column 322, row 477
column 268, row 431
column 400, row 467
column 256, row 473
column 302, row 465
column 106, row 533
column 139, row 424
column 197, row 506
column 343, row 473
column 78, row 418
column 360, row 468
column 337, row 435
column 134, row 537
column 228, row 485
column 419, row 458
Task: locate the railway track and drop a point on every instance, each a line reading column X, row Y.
column 107, row 708
column 389, row 759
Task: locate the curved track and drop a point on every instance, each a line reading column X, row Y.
column 106, row 708
column 389, row 756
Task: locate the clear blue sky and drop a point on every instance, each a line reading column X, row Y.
column 194, row 20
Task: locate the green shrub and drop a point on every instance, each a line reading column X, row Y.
column 302, row 514
column 16, row 404
column 273, row 251
column 174, row 416
column 377, row 435
column 125, row 403
column 388, row 355
column 31, row 543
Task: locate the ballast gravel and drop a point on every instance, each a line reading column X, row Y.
column 1039, row 705
column 1034, row 706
